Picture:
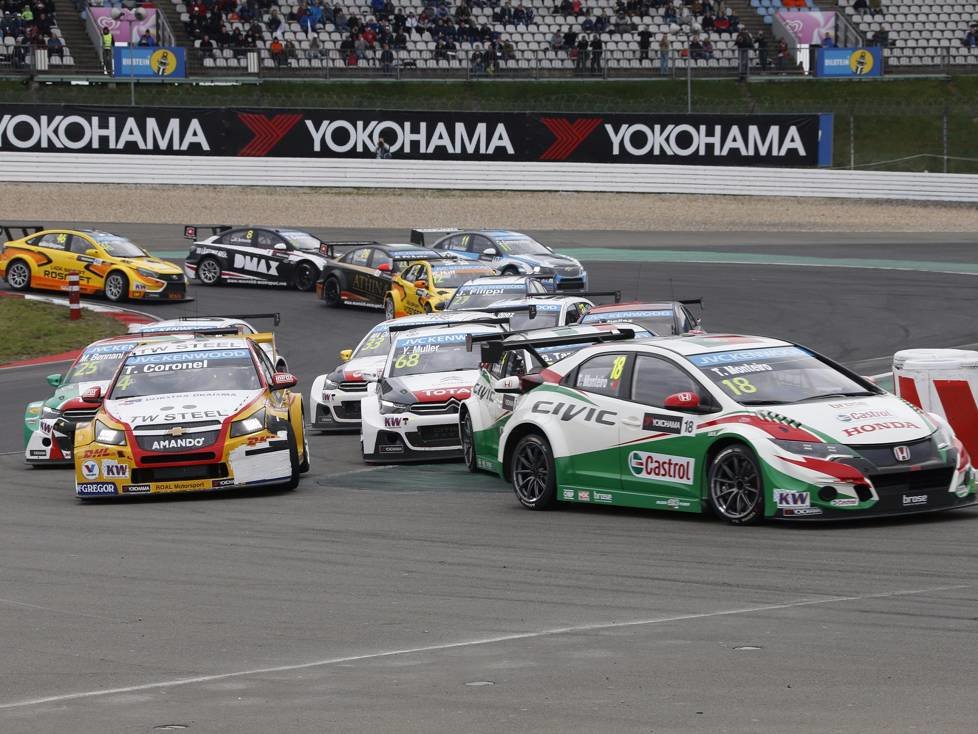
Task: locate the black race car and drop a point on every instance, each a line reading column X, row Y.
column 362, row 272
column 263, row 255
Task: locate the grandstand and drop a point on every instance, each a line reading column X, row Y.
column 921, row 33
column 27, row 25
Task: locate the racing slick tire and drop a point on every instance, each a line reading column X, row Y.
column 736, row 488
column 389, row 312
column 19, row 275
column 305, row 277
column 209, row 271
column 293, row 480
column 331, row 293
column 533, row 473
column 467, row 439
column 116, row 286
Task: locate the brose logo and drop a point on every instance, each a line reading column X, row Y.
column 678, row 469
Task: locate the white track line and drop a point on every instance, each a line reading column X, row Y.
column 466, row 643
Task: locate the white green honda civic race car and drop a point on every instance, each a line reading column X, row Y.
column 748, row 427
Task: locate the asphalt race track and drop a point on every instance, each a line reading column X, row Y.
column 421, row 599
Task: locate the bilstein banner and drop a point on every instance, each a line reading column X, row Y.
column 732, row 140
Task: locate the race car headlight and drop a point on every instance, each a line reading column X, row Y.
column 47, row 412
column 816, row 450
column 111, row 436
column 148, row 273
column 540, row 270
column 252, row 424
column 389, row 406
column 329, row 384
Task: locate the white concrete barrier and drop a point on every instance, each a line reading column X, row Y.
column 416, row 174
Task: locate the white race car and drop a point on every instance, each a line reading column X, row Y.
column 217, row 325
column 411, row 409
column 335, row 397
column 479, row 293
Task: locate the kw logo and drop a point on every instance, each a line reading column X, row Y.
column 569, row 136
column 255, row 264
column 394, row 422
column 267, row 131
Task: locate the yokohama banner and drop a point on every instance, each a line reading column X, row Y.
column 733, row 140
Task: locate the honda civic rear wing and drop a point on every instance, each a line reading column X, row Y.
column 495, row 345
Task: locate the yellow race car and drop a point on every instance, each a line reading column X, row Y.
column 105, row 263
column 193, row 415
column 427, row 285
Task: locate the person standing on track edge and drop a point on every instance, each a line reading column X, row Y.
column 107, row 43
column 383, row 149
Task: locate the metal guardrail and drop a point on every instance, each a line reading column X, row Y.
column 480, row 175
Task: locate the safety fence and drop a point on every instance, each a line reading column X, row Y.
column 484, row 175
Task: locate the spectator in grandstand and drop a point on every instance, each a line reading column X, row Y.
column 206, row 45
column 861, row 7
column 55, row 47
column 597, row 50
column 707, row 48
column 274, row 22
column 875, row 7
column 970, row 39
column 881, row 38
column 276, row 50
column 570, row 40
column 722, row 24
column 623, row 23
column 557, row 42
column 665, row 49
column 146, row 39
column 762, row 58
column 828, row 41
column 781, row 55
column 22, row 52
column 695, row 48
column 582, row 53
column 744, row 44
column 669, row 15
column 386, row 59
column 644, row 43
column 600, row 22
column 291, row 52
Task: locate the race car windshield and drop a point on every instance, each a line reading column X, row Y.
column 521, row 246
column 301, row 240
column 435, row 353
column 658, row 321
column 98, row 363
column 118, row 246
column 547, row 315
column 176, row 372
column 474, row 297
column 377, row 342
column 453, row 277
column 775, row 376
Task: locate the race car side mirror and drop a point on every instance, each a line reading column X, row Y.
column 421, row 284
column 346, row 355
column 370, row 376
column 283, row 381
column 280, row 247
column 92, row 395
column 384, row 267
column 53, row 380
column 508, row 385
column 490, row 252
column 682, row 401
column 91, row 252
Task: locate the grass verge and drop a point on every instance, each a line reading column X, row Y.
column 36, row 329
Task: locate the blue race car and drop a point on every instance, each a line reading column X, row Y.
column 513, row 253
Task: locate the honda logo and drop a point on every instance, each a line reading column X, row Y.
column 901, row 453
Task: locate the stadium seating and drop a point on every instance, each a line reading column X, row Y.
column 922, row 33
column 531, row 42
column 21, row 33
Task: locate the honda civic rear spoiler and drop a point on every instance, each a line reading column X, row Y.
column 495, row 345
